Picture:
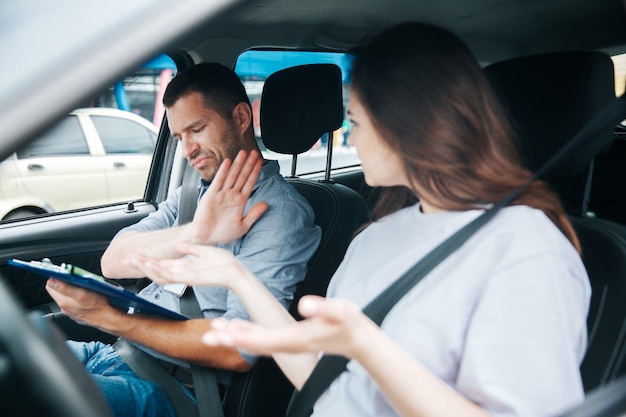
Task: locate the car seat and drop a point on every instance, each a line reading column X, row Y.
column 549, row 97
column 608, row 201
column 299, row 105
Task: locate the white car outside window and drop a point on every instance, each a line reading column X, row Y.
column 93, row 157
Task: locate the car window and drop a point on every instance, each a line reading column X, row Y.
column 124, row 136
column 253, row 68
column 114, row 133
column 63, row 139
column 619, row 62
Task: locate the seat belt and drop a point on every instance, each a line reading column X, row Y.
column 330, row 367
column 146, row 366
column 188, row 195
column 204, row 380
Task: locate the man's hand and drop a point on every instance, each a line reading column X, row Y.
column 85, row 307
column 219, row 217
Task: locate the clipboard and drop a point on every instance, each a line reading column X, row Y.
column 117, row 295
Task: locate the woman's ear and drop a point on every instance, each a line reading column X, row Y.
column 242, row 116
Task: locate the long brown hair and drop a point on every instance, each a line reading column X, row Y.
column 426, row 94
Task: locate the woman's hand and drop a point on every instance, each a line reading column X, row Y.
column 203, row 265
column 333, row 326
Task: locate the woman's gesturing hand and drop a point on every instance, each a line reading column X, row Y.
column 202, row 265
column 333, row 326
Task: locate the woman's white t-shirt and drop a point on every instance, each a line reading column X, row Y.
column 502, row 320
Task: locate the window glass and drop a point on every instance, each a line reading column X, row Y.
column 619, row 62
column 64, row 138
column 253, row 68
column 124, row 136
column 99, row 154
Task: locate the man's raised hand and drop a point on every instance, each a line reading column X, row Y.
column 220, row 216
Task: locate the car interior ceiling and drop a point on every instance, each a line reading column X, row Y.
column 491, row 35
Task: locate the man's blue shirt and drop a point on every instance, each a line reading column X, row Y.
column 276, row 249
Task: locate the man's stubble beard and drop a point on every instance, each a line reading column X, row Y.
column 231, row 144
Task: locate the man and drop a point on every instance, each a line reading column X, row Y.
column 209, row 112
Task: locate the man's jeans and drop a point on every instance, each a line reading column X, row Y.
column 127, row 394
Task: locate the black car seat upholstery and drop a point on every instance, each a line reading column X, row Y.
column 549, row 98
column 608, row 195
column 298, row 106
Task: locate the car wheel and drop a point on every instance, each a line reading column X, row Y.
column 20, row 214
column 38, row 373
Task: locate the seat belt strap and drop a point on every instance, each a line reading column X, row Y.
column 146, row 367
column 331, row 366
column 188, row 195
column 204, row 379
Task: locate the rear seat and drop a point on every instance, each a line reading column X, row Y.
column 549, row 98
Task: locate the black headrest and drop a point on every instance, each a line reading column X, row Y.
column 300, row 104
column 550, row 97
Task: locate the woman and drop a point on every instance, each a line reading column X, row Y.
column 498, row 328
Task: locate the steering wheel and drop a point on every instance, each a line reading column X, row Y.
column 39, row 375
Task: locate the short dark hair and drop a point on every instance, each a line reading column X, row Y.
column 219, row 85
